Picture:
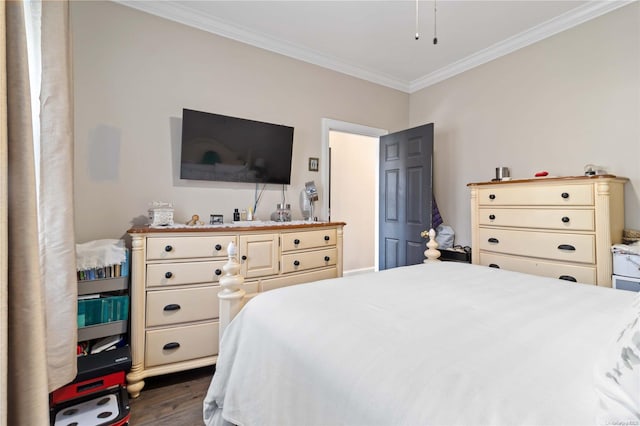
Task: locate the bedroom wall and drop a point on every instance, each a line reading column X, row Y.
column 133, row 74
column 564, row 102
column 354, row 165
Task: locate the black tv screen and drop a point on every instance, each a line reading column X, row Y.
column 222, row 148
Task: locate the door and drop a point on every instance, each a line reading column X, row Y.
column 258, row 255
column 406, row 172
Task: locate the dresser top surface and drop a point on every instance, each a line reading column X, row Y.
column 558, row 179
column 231, row 227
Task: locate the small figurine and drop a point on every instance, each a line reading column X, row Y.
column 195, row 220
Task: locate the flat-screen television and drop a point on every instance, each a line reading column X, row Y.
column 222, row 148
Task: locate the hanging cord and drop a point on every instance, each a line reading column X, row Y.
column 283, row 197
column 417, row 29
column 435, row 31
column 257, row 197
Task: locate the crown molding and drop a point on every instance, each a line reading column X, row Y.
column 547, row 29
column 180, row 12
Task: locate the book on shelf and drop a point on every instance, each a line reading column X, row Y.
column 109, row 271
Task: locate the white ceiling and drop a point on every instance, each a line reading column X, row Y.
column 375, row 40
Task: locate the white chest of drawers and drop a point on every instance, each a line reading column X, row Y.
column 174, row 284
column 555, row 227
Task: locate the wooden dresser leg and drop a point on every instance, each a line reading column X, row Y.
column 135, row 382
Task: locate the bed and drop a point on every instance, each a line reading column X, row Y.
column 441, row 343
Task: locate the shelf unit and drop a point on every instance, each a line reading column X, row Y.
column 99, row 286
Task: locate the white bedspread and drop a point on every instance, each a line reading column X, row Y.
column 435, row 344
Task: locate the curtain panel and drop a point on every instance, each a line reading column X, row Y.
column 40, row 257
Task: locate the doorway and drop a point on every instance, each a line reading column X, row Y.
column 353, row 162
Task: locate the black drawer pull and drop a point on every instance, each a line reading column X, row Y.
column 244, row 257
column 218, row 272
column 218, row 247
column 567, row 278
column 168, row 248
column 296, row 263
column 494, row 265
column 172, row 345
column 565, row 195
column 172, row 307
column 493, row 240
column 566, row 247
column 168, row 275
column 565, row 219
column 326, row 238
column 492, row 216
column 492, row 196
column 327, row 258
column 296, row 241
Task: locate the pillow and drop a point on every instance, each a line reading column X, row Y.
column 617, row 376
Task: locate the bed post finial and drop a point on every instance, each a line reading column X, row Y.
column 231, row 296
column 431, row 253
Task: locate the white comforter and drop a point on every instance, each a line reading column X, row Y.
column 435, row 344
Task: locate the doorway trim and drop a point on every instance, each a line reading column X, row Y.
column 328, row 125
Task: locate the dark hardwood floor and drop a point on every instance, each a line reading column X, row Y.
column 172, row 399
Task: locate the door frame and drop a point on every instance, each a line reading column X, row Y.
column 342, row 126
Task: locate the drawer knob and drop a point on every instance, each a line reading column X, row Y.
column 296, row 241
column 326, row 238
column 218, row 247
column 244, row 257
column 327, row 258
column 565, row 195
column 168, row 275
column 296, row 263
column 172, row 307
column 218, row 272
column 565, row 219
column 567, row 278
column 492, row 216
column 567, row 247
column 493, row 240
column 172, row 345
column 168, row 248
column 494, row 265
column 492, row 196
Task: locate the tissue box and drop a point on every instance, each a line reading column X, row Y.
column 161, row 216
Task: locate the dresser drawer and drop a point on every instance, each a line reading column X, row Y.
column 295, row 262
column 308, row 239
column 165, row 274
column 293, row 279
column 573, row 220
column 181, row 343
column 582, row 274
column 555, row 246
column 547, row 195
column 168, row 307
column 159, row 248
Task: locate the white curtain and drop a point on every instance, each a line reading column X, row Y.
column 38, row 261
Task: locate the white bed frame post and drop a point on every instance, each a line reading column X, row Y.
column 431, row 253
column 232, row 295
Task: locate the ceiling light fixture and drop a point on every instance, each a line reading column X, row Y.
column 417, row 31
column 435, row 31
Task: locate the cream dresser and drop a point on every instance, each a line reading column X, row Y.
column 556, row 227
column 174, row 284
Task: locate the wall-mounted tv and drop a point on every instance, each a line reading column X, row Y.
column 222, row 148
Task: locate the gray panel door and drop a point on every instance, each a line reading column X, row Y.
column 406, row 173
